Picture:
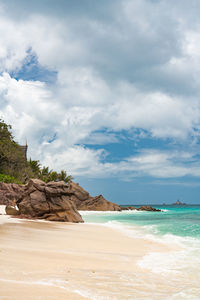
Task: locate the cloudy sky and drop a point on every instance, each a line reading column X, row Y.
column 108, row 90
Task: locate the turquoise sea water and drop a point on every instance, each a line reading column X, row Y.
column 173, row 274
column 181, row 221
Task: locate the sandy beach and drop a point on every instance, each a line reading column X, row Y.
column 43, row 260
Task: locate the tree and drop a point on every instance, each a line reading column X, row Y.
column 14, row 164
column 12, row 160
column 63, row 176
column 35, row 166
column 5, row 131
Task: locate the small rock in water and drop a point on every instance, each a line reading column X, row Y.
column 148, row 208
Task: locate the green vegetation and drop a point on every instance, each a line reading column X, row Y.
column 47, row 175
column 12, row 160
column 9, row 179
column 14, row 167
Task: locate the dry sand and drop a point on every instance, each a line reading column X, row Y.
column 43, row 260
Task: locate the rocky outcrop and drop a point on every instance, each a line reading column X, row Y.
column 51, row 201
column 84, row 201
column 54, row 201
column 98, row 203
column 148, row 208
column 179, row 203
column 10, row 193
column 78, row 194
column 141, row 208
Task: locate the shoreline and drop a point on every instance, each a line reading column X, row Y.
column 51, row 260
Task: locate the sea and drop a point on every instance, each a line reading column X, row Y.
column 169, row 275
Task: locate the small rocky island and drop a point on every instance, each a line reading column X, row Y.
column 54, row 201
column 178, row 202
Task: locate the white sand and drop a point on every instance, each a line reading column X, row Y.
column 43, row 260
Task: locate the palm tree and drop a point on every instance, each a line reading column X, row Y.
column 35, row 166
column 63, row 176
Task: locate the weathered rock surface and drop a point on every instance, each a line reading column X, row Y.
column 148, row 208
column 51, row 201
column 10, row 210
column 54, row 201
column 78, row 194
column 98, row 203
column 84, row 201
column 10, row 193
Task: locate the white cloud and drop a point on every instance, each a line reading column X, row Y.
column 81, row 161
column 77, row 160
column 102, row 83
column 14, row 44
column 29, row 106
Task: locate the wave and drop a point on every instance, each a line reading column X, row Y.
column 95, row 212
column 180, row 265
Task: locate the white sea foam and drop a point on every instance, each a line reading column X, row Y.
column 150, row 232
column 93, row 212
column 111, row 212
column 184, row 262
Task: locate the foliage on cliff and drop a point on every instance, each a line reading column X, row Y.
column 8, row 179
column 12, row 160
column 14, row 166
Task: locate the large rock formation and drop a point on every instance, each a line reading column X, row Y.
column 84, row 201
column 54, row 201
column 10, row 193
column 98, row 203
column 78, row 194
column 51, row 201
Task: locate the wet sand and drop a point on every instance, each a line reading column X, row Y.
column 43, row 260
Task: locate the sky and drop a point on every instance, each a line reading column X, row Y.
column 107, row 90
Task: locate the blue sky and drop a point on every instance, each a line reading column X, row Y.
column 107, row 90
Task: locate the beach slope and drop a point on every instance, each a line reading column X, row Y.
column 44, row 260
